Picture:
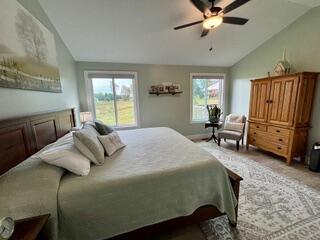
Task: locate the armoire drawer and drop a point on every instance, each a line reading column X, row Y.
column 259, row 127
column 278, row 131
column 272, row 138
column 268, row 145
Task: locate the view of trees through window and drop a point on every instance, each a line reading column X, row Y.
column 205, row 92
column 114, row 101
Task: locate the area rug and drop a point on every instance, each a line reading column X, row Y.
column 271, row 206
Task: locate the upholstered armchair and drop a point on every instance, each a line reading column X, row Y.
column 234, row 128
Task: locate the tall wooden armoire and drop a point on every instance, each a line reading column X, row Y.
column 280, row 111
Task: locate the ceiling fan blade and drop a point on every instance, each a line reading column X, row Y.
column 188, row 25
column 234, row 5
column 204, row 32
column 202, row 7
column 235, row 20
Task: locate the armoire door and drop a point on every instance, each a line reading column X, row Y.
column 283, row 94
column 260, row 93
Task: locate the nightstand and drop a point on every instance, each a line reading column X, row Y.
column 29, row 228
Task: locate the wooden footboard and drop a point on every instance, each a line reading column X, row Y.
column 201, row 214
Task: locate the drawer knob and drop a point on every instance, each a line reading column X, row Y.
column 258, row 126
column 278, row 131
column 254, row 133
column 280, row 140
column 279, row 148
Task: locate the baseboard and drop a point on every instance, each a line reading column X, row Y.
column 199, row 136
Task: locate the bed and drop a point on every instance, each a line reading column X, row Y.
column 160, row 180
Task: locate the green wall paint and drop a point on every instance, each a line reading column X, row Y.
column 17, row 102
column 302, row 40
column 169, row 111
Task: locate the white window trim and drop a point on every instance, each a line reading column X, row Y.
column 90, row 96
column 222, row 96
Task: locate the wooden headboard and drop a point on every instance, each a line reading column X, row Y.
column 21, row 137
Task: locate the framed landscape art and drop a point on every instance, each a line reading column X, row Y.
column 27, row 51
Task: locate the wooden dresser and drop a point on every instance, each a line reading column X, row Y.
column 279, row 115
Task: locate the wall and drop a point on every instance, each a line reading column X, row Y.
column 17, row 102
column 169, row 111
column 302, row 42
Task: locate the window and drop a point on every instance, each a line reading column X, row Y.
column 206, row 89
column 113, row 98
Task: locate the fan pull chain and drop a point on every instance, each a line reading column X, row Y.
column 211, row 45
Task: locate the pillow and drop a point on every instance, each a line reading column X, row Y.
column 86, row 141
column 238, row 127
column 102, row 128
column 111, row 143
column 89, row 123
column 68, row 157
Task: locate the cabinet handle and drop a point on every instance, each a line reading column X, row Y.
column 280, row 140
column 278, row 131
column 267, row 101
column 279, row 148
column 254, row 133
column 258, row 126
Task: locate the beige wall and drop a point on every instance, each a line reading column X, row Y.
column 169, row 111
column 302, row 41
column 17, row 102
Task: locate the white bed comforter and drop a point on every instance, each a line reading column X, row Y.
column 159, row 175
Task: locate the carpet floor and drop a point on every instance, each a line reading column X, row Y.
column 271, row 206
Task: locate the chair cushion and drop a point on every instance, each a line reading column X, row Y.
column 233, row 126
column 236, row 118
column 230, row 135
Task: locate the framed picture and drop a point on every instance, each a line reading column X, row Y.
column 166, row 86
column 176, row 87
column 27, row 51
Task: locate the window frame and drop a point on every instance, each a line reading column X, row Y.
column 222, row 95
column 90, row 95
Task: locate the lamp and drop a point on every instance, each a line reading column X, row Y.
column 212, row 22
column 85, row 116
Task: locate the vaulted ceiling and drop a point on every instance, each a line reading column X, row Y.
column 141, row 31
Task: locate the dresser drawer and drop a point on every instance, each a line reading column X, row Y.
column 278, row 131
column 268, row 145
column 272, row 138
column 259, row 127
column 276, row 148
column 279, row 139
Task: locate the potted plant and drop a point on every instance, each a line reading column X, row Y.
column 214, row 113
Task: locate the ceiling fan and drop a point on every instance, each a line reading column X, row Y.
column 214, row 16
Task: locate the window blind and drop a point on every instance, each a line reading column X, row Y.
column 208, row 77
column 110, row 75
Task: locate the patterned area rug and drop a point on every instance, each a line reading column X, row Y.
column 271, row 206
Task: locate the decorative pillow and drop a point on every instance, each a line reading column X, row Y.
column 86, row 141
column 238, row 127
column 111, row 143
column 89, row 123
column 68, row 157
column 102, row 128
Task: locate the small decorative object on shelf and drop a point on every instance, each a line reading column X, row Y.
column 214, row 113
column 283, row 67
column 165, row 88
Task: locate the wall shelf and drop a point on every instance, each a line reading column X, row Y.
column 165, row 93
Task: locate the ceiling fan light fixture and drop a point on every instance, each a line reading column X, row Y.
column 212, row 22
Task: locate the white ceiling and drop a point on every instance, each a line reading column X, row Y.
column 141, row 31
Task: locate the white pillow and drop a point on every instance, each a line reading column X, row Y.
column 68, row 157
column 238, row 127
column 111, row 142
column 86, row 141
